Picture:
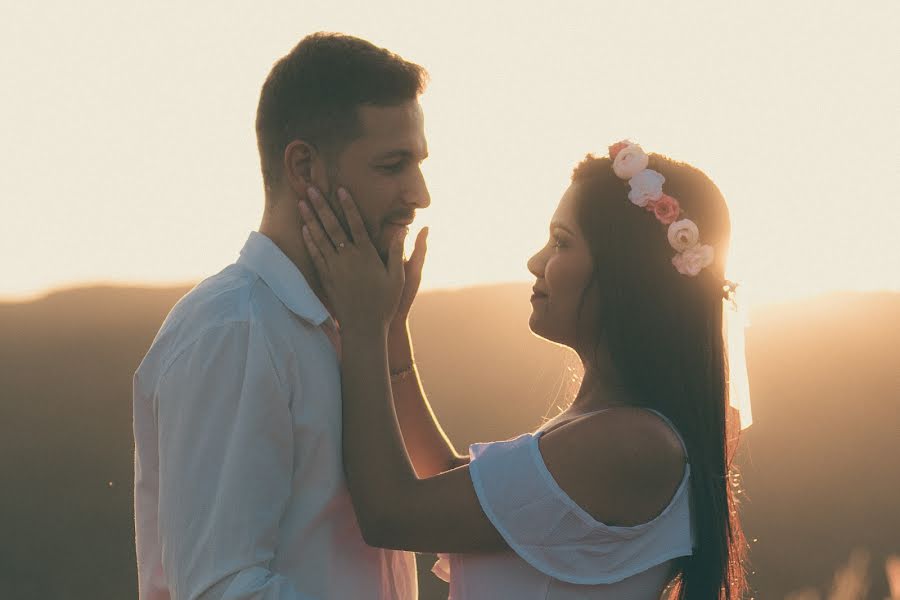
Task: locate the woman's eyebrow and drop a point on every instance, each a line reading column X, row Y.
column 557, row 224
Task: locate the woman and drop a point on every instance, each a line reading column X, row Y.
column 625, row 494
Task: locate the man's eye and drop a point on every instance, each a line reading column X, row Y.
column 392, row 168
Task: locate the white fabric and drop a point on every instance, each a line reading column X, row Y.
column 736, row 320
column 559, row 550
column 239, row 489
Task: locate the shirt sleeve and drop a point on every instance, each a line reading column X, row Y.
column 549, row 531
column 225, row 468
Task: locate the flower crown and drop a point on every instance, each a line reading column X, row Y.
column 630, row 163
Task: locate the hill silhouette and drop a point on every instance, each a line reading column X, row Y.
column 819, row 463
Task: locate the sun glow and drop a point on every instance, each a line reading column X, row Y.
column 131, row 160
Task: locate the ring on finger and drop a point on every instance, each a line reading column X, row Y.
column 340, row 246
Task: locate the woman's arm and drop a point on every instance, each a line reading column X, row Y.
column 429, row 449
column 622, row 466
column 395, row 507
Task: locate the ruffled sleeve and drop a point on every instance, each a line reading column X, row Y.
column 553, row 534
column 441, row 567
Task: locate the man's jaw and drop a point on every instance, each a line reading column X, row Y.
column 390, row 229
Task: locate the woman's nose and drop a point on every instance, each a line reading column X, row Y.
column 535, row 265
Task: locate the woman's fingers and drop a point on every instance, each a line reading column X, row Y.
column 421, row 248
column 395, row 254
column 318, row 237
column 329, row 222
column 357, row 227
column 314, row 252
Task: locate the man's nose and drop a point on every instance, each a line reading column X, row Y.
column 424, row 198
column 417, row 193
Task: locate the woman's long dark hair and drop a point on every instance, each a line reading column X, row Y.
column 664, row 334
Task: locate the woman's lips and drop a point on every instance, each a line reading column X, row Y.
column 538, row 297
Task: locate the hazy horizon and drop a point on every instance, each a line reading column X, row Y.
column 161, row 286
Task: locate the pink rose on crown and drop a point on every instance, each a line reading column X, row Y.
column 615, row 148
column 630, row 161
column 683, row 234
column 646, row 186
column 666, row 209
column 693, row 260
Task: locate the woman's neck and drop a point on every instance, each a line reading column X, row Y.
column 601, row 386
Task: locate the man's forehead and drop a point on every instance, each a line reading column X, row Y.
column 394, row 130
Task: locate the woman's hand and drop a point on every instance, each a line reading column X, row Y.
column 362, row 291
column 412, row 272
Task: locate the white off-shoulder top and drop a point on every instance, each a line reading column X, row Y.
column 558, row 551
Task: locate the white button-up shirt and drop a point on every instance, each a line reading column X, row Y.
column 239, row 490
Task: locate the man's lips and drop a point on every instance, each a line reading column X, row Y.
column 400, row 220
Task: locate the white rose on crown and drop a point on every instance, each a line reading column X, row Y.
column 629, row 161
column 693, row 260
column 683, row 234
column 646, row 186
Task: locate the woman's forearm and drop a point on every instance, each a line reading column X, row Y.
column 376, row 463
column 428, row 446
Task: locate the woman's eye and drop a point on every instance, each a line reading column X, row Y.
column 558, row 243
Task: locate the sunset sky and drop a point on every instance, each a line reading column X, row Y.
column 128, row 151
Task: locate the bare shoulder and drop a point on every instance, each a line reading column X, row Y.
column 622, row 466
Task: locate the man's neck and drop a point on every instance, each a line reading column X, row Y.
column 293, row 247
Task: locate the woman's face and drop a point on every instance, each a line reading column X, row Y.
column 563, row 269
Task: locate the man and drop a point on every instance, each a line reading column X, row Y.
column 239, row 488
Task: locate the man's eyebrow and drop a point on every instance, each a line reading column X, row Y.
column 398, row 154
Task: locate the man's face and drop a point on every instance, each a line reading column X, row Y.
column 382, row 169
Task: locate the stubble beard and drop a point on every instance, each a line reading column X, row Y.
column 332, row 177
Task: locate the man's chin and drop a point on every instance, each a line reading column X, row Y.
column 383, row 247
column 388, row 234
column 389, row 231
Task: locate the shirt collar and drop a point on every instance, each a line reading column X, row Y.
column 261, row 255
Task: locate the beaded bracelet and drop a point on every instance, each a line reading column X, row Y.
column 398, row 376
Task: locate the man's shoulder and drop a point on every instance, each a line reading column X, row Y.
column 221, row 300
column 235, row 297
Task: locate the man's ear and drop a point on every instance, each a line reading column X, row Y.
column 299, row 159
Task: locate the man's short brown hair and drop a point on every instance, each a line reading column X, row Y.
column 313, row 92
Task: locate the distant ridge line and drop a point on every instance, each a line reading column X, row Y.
column 80, row 291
